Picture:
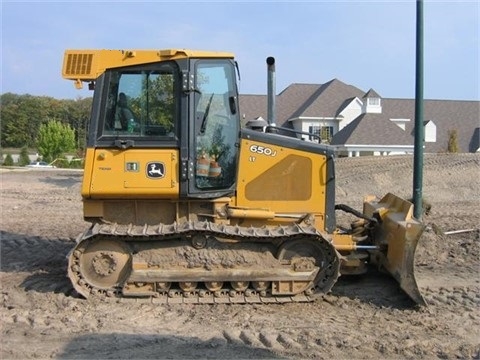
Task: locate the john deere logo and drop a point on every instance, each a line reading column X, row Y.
column 155, row 170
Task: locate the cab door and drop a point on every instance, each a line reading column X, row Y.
column 214, row 130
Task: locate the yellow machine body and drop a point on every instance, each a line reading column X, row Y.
column 187, row 206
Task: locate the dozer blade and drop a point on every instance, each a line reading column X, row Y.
column 396, row 235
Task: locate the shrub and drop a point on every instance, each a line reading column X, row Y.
column 62, row 163
column 8, row 160
column 23, row 159
column 76, row 163
column 452, row 141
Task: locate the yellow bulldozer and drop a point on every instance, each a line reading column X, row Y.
column 188, row 206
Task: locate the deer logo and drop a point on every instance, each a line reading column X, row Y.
column 155, row 170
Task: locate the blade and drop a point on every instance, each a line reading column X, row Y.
column 397, row 236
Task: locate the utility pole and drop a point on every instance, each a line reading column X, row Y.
column 419, row 131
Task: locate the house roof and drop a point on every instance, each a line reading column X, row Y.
column 371, row 129
column 447, row 115
column 293, row 99
column 252, row 106
column 329, row 99
column 302, row 100
column 371, row 94
column 287, row 103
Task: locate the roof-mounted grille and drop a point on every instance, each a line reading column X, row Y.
column 79, row 64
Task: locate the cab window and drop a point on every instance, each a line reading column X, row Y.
column 141, row 103
column 216, row 124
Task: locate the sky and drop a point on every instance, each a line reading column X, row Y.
column 367, row 44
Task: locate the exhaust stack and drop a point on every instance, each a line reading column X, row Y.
column 271, row 116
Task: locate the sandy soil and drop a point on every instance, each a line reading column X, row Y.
column 363, row 317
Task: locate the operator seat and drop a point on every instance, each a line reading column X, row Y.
column 123, row 114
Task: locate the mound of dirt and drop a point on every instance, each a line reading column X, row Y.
column 363, row 317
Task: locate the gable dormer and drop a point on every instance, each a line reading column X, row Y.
column 430, row 131
column 372, row 103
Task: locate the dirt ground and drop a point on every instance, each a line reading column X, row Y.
column 363, row 317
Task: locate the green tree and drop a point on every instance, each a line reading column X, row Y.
column 55, row 139
column 8, row 160
column 22, row 115
column 23, row 159
column 452, row 141
column 77, row 114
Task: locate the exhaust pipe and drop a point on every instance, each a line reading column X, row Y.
column 271, row 116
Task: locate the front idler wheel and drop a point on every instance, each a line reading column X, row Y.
column 99, row 265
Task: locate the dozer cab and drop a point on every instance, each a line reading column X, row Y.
column 187, row 206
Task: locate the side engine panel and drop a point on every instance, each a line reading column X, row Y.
column 131, row 173
column 282, row 175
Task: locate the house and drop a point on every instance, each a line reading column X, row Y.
column 358, row 123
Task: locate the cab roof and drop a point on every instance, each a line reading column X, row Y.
column 87, row 65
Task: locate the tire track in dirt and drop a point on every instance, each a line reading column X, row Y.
column 30, row 253
column 43, row 259
column 269, row 339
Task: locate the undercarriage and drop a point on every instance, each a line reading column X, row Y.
column 203, row 262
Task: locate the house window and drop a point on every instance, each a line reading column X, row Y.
column 325, row 133
column 374, row 101
column 314, row 130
